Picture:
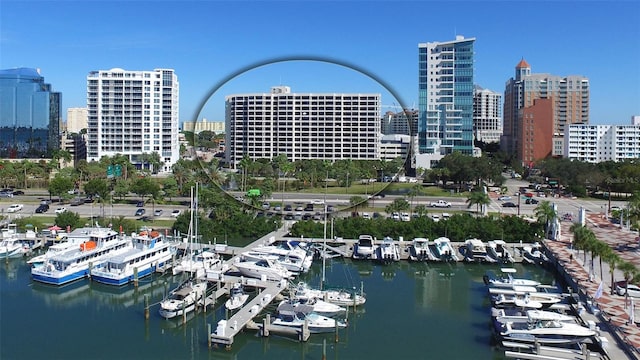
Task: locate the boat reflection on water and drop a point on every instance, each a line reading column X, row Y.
column 9, row 267
column 67, row 296
column 153, row 287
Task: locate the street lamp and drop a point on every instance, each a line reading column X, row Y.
column 518, row 195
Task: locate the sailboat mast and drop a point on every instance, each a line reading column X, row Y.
column 324, row 236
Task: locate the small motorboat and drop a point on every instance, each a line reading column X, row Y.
column 183, row 299
column 364, row 248
column 237, row 298
column 319, row 307
column 544, row 327
column 263, row 269
column 506, row 280
column 299, row 315
column 498, row 251
column 419, row 250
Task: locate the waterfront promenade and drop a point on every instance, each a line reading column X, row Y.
column 586, row 278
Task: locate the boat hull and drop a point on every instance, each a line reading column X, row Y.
column 122, row 279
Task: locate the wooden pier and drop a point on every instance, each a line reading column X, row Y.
column 226, row 330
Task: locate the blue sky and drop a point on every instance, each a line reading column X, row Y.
column 208, row 42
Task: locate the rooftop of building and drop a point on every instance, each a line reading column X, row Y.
column 23, row 71
column 523, row 64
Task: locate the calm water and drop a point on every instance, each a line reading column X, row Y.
column 413, row 311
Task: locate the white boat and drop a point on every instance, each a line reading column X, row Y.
column 532, row 254
column 334, row 296
column 498, row 251
column 237, row 298
column 183, row 299
column 419, row 250
column 53, row 250
column 529, row 300
column 444, row 250
column 11, row 246
column 364, row 248
column 387, row 252
column 291, row 253
column 503, row 316
column 543, row 328
column 263, row 268
column 149, row 252
column 76, row 264
column 475, row 250
column 292, row 262
column 506, row 280
column 318, row 306
column 65, row 241
column 297, row 316
column 196, row 263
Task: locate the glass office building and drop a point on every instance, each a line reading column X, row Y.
column 29, row 115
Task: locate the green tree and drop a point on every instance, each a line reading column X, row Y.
column 397, row 205
column 545, row 214
column 121, row 188
column 479, row 199
column 613, row 260
column 98, row 188
column 356, row 201
column 60, row 185
column 69, row 218
column 420, row 210
column 145, row 187
column 629, row 271
column 415, row 190
column 170, row 187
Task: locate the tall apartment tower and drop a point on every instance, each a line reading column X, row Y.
column 487, row 115
column 132, row 113
column 525, row 131
column 445, row 86
column 325, row 126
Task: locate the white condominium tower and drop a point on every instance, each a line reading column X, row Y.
column 133, row 113
column 487, row 115
column 325, row 126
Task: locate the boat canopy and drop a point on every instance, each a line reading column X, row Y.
column 508, row 270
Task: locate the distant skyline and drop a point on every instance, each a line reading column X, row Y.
column 206, row 42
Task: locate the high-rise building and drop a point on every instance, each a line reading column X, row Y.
column 133, row 113
column 487, row 115
column 197, row 127
column 325, row 126
column 569, row 105
column 76, row 120
column 445, row 95
column 598, row 143
column 29, row 114
column 402, row 122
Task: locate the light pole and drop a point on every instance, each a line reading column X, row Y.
column 518, row 195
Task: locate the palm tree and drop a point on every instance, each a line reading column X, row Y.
column 415, row 190
column 545, row 213
column 479, row 199
column 602, row 250
column 630, row 271
column 613, row 260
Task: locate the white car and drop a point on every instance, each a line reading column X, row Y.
column 621, row 289
column 15, row 208
column 405, row 217
column 504, row 198
column 175, row 213
column 435, row 217
column 366, row 215
column 60, row 210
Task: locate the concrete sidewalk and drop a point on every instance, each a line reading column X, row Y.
column 586, row 277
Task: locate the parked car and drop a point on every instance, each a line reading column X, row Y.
column 330, row 208
column 176, row 213
column 140, row 204
column 531, row 201
column 18, row 192
column 144, row 218
column 77, row 201
column 504, row 198
column 140, row 212
column 6, row 194
column 288, row 208
column 60, row 210
column 157, row 212
column 43, row 208
column 621, row 289
column 435, row 217
column 15, row 208
column 365, row 215
column 266, row 206
column 509, row 204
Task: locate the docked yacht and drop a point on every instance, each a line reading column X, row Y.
column 506, row 280
column 545, row 328
column 419, row 249
column 444, row 250
column 529, row 300
column 292, row 262
column 318, row 306
column 387, row 252
column 197, row 263
column 364, row 248
column 532, row 254
column 149, row 251
column 237, row 298
column 335, row 296
column 498, row 251
column 264, row 268
column 476, row 250
column 75, row 264
column 183, row 299
column 297, row 316
column 11, row 245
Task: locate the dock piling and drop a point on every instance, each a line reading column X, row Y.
column 265, row 325
column 209, row 335
column 135, row 277
column 146, row 306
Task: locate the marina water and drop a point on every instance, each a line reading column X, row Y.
column 413, row 311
